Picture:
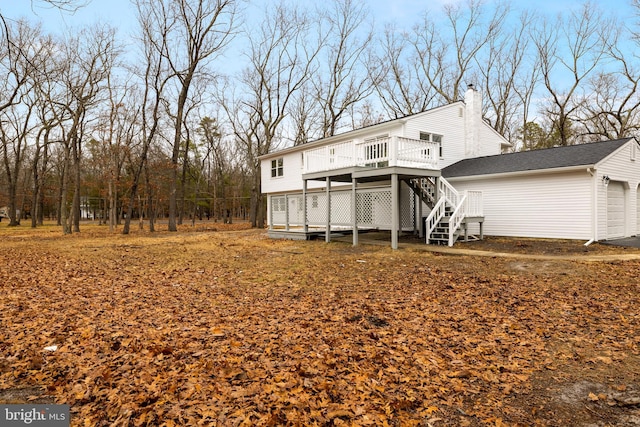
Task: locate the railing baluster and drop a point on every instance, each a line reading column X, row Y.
column 395, row 150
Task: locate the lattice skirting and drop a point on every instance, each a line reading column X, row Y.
column 373, row 209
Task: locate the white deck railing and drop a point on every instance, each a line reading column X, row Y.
column 381, row 152
column 469, row 205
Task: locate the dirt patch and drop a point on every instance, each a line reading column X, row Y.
column 19, row 395
column 541, row 267
column 583, row 403
column 543, row 246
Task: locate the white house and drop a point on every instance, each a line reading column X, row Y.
column 440, row 173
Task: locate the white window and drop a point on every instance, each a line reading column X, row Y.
column 277, row 167
column 432, row 137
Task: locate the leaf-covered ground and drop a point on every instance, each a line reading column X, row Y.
column 227, row 327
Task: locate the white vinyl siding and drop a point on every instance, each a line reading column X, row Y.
column 450, row 124
column 291, row 179
column 615, row 210
column 619, row 167
column 555, row 205
column 443, row 121
column 638, row 211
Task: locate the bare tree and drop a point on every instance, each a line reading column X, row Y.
column 583, row 34
column 65, row 5
column 154, row 36
column 306, row 115
column 612, row 108
column 448, row 63
column 88, row 61
column 19, row 62
column 49, row 117
column 279, row 66
column 509, row 69
column 196, row 32
column 344, row 81
column 402, row 84
column 218, row 162
column 117, row 129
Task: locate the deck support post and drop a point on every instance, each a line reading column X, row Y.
column 327, row 234
column 354, row 213
column 270, row 212
column 418, row 210
column 286, row 212
column 395, row 210
column 305, row 223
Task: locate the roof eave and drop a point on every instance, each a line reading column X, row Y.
column 522, row 173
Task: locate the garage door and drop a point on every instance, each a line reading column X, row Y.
column 615, row 210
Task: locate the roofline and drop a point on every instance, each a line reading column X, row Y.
column 384, row 125
column 505, row 142
column 618, row 149
column 323, row 141
column 522, row 173
column 593, row 166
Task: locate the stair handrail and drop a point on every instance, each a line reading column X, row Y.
column 457, row 217
column 436, row 214
column 448, row 194
column 425, row 186
column 448, row 191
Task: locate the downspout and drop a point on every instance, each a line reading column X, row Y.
column 594, row 207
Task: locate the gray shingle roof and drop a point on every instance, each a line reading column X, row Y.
column 549, row 158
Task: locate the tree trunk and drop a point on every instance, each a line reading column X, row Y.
column 150, row 209
column 75, row 215
column 173, row 198
column 14, row 220
column 63, row 218
column 112, row 207
column 141, row 215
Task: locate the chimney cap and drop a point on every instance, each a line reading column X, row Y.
column 470, row 86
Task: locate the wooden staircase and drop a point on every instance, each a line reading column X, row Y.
column 440, row 234
column 450, row 208
column 425, row 188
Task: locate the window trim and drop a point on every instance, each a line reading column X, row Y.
column 277, row 167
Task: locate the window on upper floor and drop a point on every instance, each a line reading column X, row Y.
column 277, row 167
column 432, row 137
